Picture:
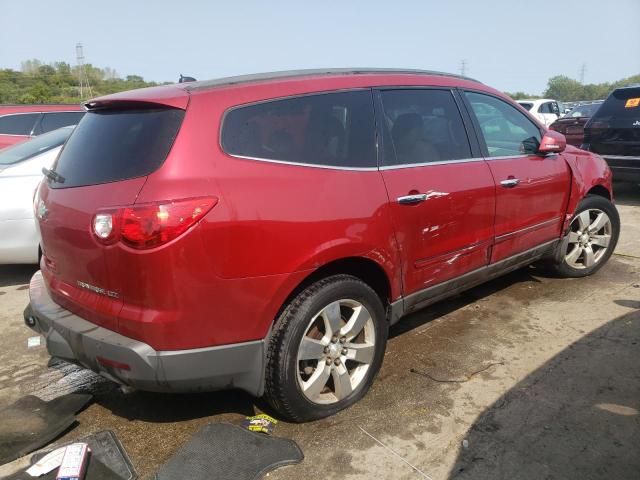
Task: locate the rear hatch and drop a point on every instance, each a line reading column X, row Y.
column 615, row 127
column 104, row 164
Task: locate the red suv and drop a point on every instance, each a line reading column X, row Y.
column 19, row 123
column 263, row 232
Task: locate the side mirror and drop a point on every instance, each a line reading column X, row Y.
column 552, row 142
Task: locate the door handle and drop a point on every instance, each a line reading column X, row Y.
column 510, row 182
column 412, row 199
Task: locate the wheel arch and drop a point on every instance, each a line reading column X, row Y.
column 600, row 191
column 363, row 268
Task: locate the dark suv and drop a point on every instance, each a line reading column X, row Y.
column 263, row 232
column 614, row 133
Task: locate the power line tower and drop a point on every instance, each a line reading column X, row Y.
column 83, row 78
column 463, row 67
column 583, row 70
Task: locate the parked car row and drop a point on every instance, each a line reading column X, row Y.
column 610, row 128
column 545, row 110
column 19, row 123
column 263, row 232
column 614, row 133
column 571, row 125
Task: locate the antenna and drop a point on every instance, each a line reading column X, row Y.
column 583, row 69
column 83, row 79
column 463, row 67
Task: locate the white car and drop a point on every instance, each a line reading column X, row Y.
column 546, row 110
column 20, row 173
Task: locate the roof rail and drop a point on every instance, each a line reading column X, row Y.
column 257, row 77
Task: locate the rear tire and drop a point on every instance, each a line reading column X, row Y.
column 325, row 349
column 593, row 235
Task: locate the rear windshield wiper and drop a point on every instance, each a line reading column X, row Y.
column 53, row 176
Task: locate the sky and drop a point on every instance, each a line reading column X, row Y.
column 512, row 45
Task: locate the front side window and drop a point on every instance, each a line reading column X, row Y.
column 332, row 129
column 506, row 130
column 18, row 124
column 423, row 126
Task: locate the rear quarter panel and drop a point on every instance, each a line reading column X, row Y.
column 273, row 225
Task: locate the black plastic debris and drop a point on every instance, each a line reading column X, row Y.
column 108, row 460
column 224, row 451
column 31, row 423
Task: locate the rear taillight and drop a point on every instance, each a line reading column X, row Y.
column 150, row 225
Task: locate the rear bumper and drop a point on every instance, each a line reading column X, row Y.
column 625, row 168
column 134, row 363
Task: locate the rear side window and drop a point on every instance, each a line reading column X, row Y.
column 506, row 130
column 422, row 126
column 621, row 109
column 332, row 129
column 113, row 145
column 55, row 120
column 18, row 124
column 526, row 106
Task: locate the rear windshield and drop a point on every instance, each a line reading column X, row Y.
column 621, row 109
column 113, row 145
column 38, row 145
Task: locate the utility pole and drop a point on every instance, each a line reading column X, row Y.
column 83, row 78
column 463, row 67
column 583, row 69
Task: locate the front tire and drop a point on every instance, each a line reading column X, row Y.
column 325, row 349
column 593, row 235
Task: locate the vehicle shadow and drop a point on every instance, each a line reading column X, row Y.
column 575, row 417
column 626, row 193
column 168, row 408
column 12, row 275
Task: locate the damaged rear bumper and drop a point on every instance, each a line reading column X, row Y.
column 134, row 363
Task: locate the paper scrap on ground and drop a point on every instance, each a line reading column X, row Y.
column 47, row 463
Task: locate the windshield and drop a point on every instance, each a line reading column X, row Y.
column 38, row 145
column 527, row 106
column 584, row 110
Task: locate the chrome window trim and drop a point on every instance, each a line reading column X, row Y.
column 426, row 164
column 509, row 157
column 371, row 169
column 298, row 164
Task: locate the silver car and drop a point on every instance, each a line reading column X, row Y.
column 20, row 173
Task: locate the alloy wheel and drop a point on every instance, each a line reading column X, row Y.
column 336, row 352
column 588, row 239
